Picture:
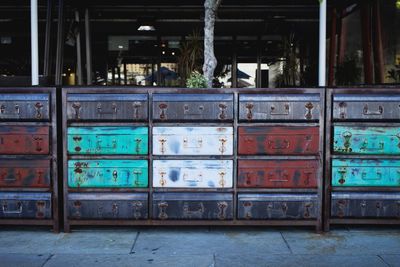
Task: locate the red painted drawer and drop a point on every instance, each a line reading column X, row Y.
column 19, row 140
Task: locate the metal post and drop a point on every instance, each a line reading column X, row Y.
column 47, row 42
column 322, row 44
column 78, row 51
column 332, row 49
column 125, row 75
column 60, row 43
column 34, row 43
column 88, row 49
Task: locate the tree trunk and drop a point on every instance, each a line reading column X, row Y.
column 210, row 62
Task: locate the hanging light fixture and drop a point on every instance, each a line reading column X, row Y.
column 146, row 24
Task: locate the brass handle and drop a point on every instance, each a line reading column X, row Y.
column 222, row 180
column 222, row 148
column 162, row 179
column 275, row 113
column 378, row 112
column 162, row 142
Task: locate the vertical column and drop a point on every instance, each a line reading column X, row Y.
column 332, row 49
column 322, row 44
column 88, row 49
column 47, row 44
column 60, row 43
column 378, row 50
column 34, row 43
column 78, row 51
column 366, row 42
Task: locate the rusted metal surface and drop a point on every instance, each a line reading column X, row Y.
column 24, row 140
column 107, row 107
column 16, row 106
column 278, row 173
column 25, row 205
column 276, row 140
column 189, row 206
column 24, row 173
column 365, row 205
column 123, row 206
column 193, row 107
column 275, row 107
column 366, row 107
column 277, row 206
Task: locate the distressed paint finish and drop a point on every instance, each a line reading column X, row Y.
column 23, row 140
column 108, row 140
column 273, row 107
column 24, row 173
column 193, row 107
column 366, row 140
column 16, row 106
column 365, row 172
column 365, row 205
column 108, row 173
column 278, row 173
column 189, row 206
column 366, row 107
column 192, row 141
column 125, row 206
column 277, row 206
column 278, row 140
column 107, row 107
column 25, row 205
column 193, row 173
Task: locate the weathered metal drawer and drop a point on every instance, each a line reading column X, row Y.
column 366, row 140
column 299, row 107
column 132, row 206
column 193, row 173
column 278, row 173
column 193, row 107
column 108, row 173
column 20, row 140
column 25, row 205
column 24, row 106
column 365, row 205
column 365, row 107
column 192, row 206
column 132, row 107
column 108, row 140
column 271, row 140
column 365, row 172
column 277, row 206
column 192, row 140
column 24, row 173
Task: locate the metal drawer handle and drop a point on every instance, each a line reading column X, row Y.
column 309, row 106
column 163, row 108
column 222, row 148
column 77, row 107
column 162, row 142
column 364, row 146
column 17, row 211
column 222, row 176
column 38, row 142
column 342, row 110
column 187, row 211
column 283, row 178
column 136, row 107
column 186, row 143
column 162, row 179
column 38, row 107
column 137, row 174
column 367, row 112
column 99, row 146
column 112, row 112
column 222, row 107
column 115, row 175
column 285, row 144
column 187, row 179
column 15, row 115
column 186, row 111
column 222, row 206
column 249, row 107
column 163, row 210
column 275, row 113
column 378, row 176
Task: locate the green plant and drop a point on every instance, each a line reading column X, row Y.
column 394, row 74
column 196, row 80
column 348, row 72
column 290, row 74
column 190, row 56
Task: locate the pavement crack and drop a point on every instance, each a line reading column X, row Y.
column 47, row 260
column 287, row 244
column 134, row 243
column 379, row 256
column 214, row 260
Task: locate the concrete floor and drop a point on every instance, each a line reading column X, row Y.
column 199, row 246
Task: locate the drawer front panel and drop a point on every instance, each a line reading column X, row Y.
column 87, row 206
column 190, row 206
column 25, row 205
column 24, row 173
column 193, row 173
column 193, row 141
column 108, row 140
column 108, row 173
column 24, row 140
column 304, row 107
column 365, row 205
column 277, row 206
column 367, row 140
column 107, row 107
column 24, row 107
column 193, row 107
column 278, row 173
column 268, row 140
column 365, row 107
column 358, row 172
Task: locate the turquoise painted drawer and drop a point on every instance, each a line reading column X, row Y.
column 366, row 140
column 108, row 140
column 365, row 172
column 108, row 173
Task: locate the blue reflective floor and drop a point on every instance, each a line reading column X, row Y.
column 200, row 246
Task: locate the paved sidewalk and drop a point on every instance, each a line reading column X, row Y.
column 199, row 246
